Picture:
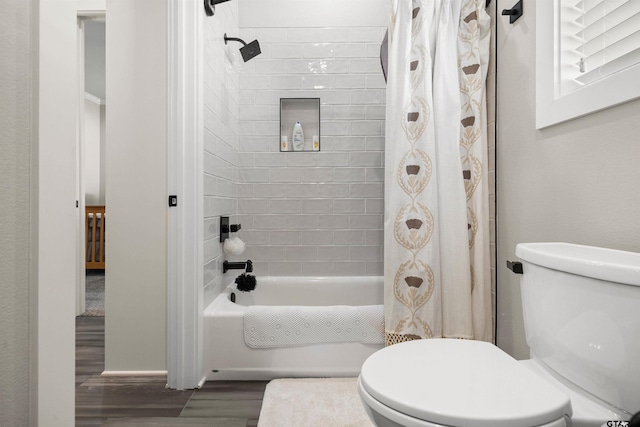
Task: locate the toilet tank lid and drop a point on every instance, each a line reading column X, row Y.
column 589, row 261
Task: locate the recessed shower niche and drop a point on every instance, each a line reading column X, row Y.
column 306, row 112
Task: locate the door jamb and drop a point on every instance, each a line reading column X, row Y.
column 80, row 199
column 185, row 176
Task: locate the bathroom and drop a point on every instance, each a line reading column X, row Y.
column 574, row 181
column 321, row 213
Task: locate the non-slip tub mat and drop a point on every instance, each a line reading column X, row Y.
column 290, row 326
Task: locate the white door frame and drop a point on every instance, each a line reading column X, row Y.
column 185, row 180
column 54, row 223
column 52, row 303
column 80, row 199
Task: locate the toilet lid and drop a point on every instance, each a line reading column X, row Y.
column 461, row 383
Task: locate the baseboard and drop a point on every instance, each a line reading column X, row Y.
column 134, row 373
column 201, row 383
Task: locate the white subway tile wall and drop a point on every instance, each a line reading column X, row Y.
column 316, row 208
column 334, row 197
column 221, row 130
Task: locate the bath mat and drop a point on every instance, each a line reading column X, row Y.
column 94, row 297
column 310, row 402
column 174, row 422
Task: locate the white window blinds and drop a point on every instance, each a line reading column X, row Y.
column 607, row 40
column 587, row 57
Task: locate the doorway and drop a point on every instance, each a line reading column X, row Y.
column 137, row 276
column 91, row 259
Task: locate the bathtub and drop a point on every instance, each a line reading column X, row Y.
column 228, row 357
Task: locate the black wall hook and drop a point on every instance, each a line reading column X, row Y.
column 514, row 13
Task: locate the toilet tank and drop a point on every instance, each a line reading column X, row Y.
column 581, row 308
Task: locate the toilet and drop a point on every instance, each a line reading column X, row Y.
column 581, row 309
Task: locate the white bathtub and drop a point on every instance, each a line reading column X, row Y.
column 227, row 357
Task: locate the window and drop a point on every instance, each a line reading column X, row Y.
column 590, row 58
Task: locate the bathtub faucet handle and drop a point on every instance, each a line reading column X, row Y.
column 249, row 268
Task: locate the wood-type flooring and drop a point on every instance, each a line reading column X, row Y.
column 145, row 402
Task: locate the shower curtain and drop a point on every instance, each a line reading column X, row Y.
column 437, row 265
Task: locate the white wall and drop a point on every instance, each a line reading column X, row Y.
column 574, row 182
column 313, row 14
column 15, row 168
column 313, row 213
column 103, row 154
column 94, row 61
column 221, row 114
column 94, row 119
column 136, row 193
column 93, row 146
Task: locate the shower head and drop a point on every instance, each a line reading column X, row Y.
column 210, row 6
column 248, row 51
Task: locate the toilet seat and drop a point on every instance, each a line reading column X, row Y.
column 460, row 383
column 377, row 409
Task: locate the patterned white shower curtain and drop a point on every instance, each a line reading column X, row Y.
column 437, row 268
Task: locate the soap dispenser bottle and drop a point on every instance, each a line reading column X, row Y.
column 298, row 137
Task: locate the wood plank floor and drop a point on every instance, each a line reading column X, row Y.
column 145, row 402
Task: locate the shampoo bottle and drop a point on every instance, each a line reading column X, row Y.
column 298, row 137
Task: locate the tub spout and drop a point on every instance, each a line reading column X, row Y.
column 247, row 266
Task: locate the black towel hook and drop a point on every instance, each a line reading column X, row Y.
column 514, row 13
